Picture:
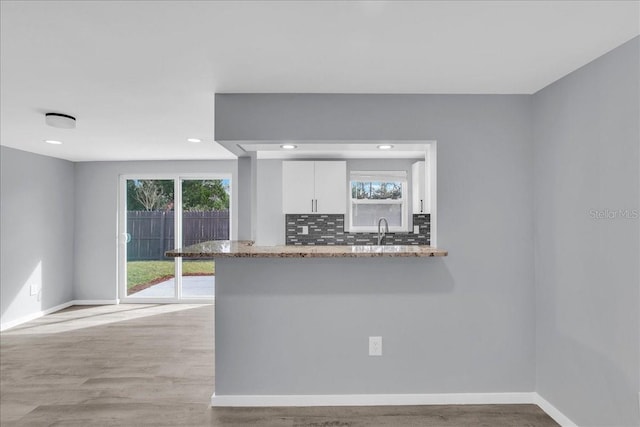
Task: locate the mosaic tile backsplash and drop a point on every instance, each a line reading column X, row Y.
column 329, row 230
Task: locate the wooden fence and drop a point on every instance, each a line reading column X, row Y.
column 152, row 233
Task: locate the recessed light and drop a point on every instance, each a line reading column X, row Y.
column 288, row 147
column 52, row 141
column 194, row 140
column 385, row 147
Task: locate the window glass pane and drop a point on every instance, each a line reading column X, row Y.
column 150, row 224
column 376, row 190
column 205, row 210
column 368, row 214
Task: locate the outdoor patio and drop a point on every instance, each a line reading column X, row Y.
column 192, row 286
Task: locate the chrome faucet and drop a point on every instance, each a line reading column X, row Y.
column 382, row 234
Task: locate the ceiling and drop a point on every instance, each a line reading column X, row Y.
column 141, row 76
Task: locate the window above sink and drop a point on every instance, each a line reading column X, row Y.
column 376, row 194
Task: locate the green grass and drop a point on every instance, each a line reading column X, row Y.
column 142, row 272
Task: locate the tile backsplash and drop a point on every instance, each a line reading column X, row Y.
column 328, row 229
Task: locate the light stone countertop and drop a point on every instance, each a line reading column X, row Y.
column 246, row 249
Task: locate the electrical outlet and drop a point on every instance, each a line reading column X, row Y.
column 375, row 346
column 33, row 289
column 304, row 229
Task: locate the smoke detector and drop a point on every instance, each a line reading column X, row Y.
column 62, row 121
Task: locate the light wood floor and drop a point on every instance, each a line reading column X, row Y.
column 152, row 365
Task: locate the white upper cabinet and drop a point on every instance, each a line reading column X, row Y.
column 298, row 183
column 314, row 187
column 419, row 185
column 331, row 187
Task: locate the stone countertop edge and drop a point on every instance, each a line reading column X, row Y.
column 247, row 249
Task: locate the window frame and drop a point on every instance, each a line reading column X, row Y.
column 380, row 176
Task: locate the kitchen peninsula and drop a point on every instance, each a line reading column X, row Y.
column 294, row 322
column 247, row 249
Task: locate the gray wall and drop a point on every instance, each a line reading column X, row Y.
column 485, row 185
column 37, row 215
column 301, row 326
column 270, row 219
column 586, row 141
column 245, row 198
column 96, row 232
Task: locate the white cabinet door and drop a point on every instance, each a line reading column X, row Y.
column 298, row 187
column 418, row 186
column 331, row 187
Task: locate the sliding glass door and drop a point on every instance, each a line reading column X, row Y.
column 161, row 213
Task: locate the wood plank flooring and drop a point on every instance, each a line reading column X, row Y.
column 152, row 365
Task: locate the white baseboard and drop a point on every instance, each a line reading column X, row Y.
column 95, row 301
column 373, row 399
column 394, row 400
column 553, row 412
column 33, row 316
